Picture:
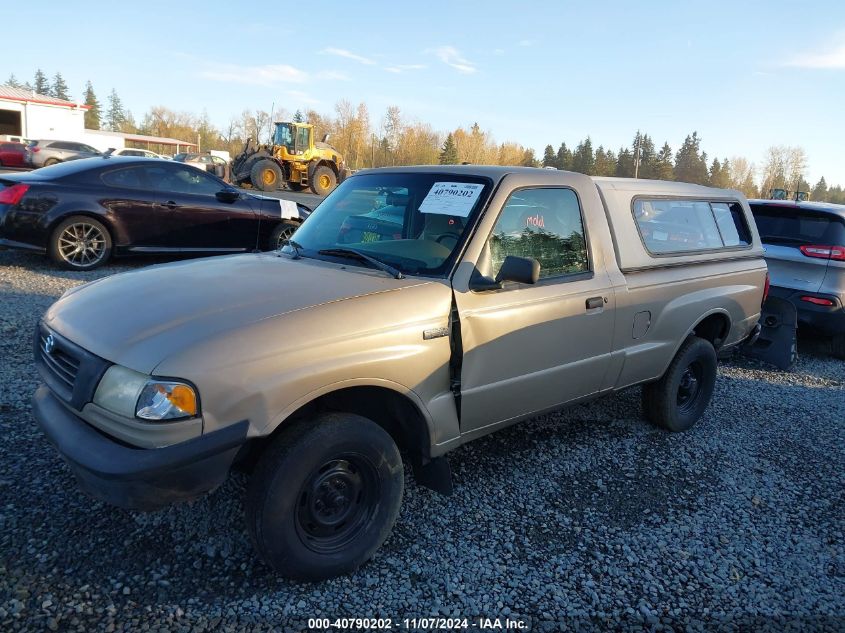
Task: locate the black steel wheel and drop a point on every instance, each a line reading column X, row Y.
column 689, row 387
column 336, row 503
column 324, row 496
column 679, row 398
column 80, row 243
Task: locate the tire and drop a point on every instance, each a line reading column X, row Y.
column 265, row 175
column 324, row 496
column 678, row 399
column 51, row 161
column 80, row 232
column 323, row 181
column 837, row 346
column 281, row 233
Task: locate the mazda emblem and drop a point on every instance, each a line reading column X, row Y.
column 49, row 344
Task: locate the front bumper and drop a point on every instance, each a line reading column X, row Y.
column 138, row 479
column 828, row 320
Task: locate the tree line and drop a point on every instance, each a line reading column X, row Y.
column 395, row 139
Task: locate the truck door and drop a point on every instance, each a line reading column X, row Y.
column 527, row 347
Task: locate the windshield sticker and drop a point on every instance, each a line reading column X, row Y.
column 289, row 209
column 451, row 198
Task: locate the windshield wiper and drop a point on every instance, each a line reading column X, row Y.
column 356, row 254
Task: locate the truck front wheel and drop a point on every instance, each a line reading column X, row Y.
column 265, row 175
column 324, row 496
column 679, row 398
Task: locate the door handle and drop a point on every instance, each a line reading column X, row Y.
column 595, row 302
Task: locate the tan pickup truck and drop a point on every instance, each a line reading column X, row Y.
column 415, row 310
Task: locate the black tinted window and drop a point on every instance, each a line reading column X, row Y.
column 544, row 224
column 130, row 178
column 60, row 145
column 785, row 225
column 178, row 179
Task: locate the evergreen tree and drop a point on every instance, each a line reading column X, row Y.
column 564, row 158
column 605, row 162
column 449, row 151
column 528, row 159
column 583, row 159
column 13, row 82
column 298, row 117
column 625, row 163
column 819, row 191
column 59, row 88
column 726, row 170
column 663, row 163
column 116, row 115
column 690, row 163
column 719, row 176
column 549, row 157
column 92, row 114
column 41, row 86
column 648, row 158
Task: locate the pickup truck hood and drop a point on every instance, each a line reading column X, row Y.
column 139, row 318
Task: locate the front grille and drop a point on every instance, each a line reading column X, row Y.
column 71, row 372
column 63, row 366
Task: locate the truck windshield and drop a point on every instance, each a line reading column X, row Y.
column 414, row 222
column 284, row 136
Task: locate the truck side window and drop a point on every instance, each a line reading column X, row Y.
column 544, row 224
column 681, row 225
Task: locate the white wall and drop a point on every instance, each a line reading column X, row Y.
column 103, row 140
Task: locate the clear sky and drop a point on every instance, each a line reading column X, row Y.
column 744, row 74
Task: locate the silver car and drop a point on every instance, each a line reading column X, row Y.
column 44, row 153
column 805, row 251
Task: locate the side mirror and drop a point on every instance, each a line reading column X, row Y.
column 228, row 195
column 325, row 138
column 523, row 270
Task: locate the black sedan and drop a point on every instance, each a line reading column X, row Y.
column 84, row 212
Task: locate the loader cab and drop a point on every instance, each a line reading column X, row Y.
column 295, row 138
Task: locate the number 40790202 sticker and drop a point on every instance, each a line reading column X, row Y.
column 451, row 198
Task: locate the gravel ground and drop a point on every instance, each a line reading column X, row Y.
column 583, row 518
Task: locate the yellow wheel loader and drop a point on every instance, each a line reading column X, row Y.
column 294, row 160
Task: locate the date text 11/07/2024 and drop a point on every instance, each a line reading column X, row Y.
column 415, row 624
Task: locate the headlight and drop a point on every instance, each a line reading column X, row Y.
column 132, row 394
column 167, row 401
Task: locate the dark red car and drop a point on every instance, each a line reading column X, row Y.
column 12, row 155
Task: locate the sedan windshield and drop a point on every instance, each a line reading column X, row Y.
column 414, row 222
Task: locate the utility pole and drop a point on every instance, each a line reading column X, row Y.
column 637, row 156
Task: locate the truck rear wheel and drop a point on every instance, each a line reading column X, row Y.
column 679, row 398
column 323, row 181
column 265, row 175
column 324, row 496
